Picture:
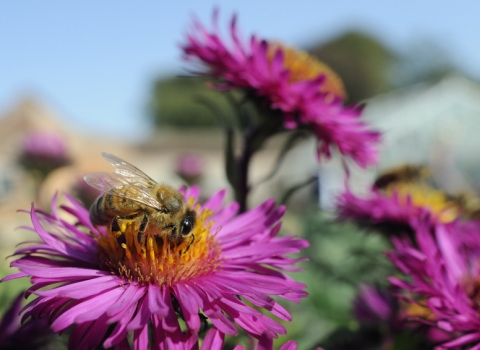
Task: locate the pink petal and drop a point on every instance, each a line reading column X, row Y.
column 140, row 338
column 289, row 345
column 213, row 340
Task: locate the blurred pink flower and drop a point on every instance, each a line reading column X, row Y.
column 441, row 283
column 374, row 306
column 393, row 210
column 33, row 333
column 45, row 144
column 229, row 273
column 304, row 90
column 190, row 167
column 44, row 151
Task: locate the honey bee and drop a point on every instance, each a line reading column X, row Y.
column 401, row 174
column 130, row 196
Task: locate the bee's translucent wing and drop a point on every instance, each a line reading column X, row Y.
column 127, row 182
column 118, row 185
column 127, row 170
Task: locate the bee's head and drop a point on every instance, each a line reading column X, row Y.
column 188, row 222
column 183, row 227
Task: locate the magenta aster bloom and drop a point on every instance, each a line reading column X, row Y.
column 44, row 151
column 189, row 167
column 45, row 144
column 306, row 92
column 229, row 274
column 374, row 306
column 32, row 334
column 394, row 209
column 442, row 283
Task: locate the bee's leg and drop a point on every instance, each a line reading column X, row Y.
column 159, row 241
column 172, row 236
column 115, row 226
column 141, row 230
column 117, row 231
column 190, row 243
column 120, row 224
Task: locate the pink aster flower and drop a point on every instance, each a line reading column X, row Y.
column 44, row 151
column 442, row 280
column 190, row 167
column 87, row 277
column 374, row 306
column 32, row 334
column 304, row 90
column 392, row 210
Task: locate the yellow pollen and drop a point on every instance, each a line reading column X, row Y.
column 426, row 197
column 303, row 66
column 159, row 260
column 417, row 310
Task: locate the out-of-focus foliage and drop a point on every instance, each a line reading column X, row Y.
column 362, row 62
column 341, row 257
column 177, row 102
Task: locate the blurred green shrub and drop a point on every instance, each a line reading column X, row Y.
column 178, row 102
column 341, row 258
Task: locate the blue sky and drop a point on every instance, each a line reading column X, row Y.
column 94, row 62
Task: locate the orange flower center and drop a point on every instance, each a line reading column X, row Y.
column 158, row 260
column 303, row 66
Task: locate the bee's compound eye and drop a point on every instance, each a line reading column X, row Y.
column 187, row 225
